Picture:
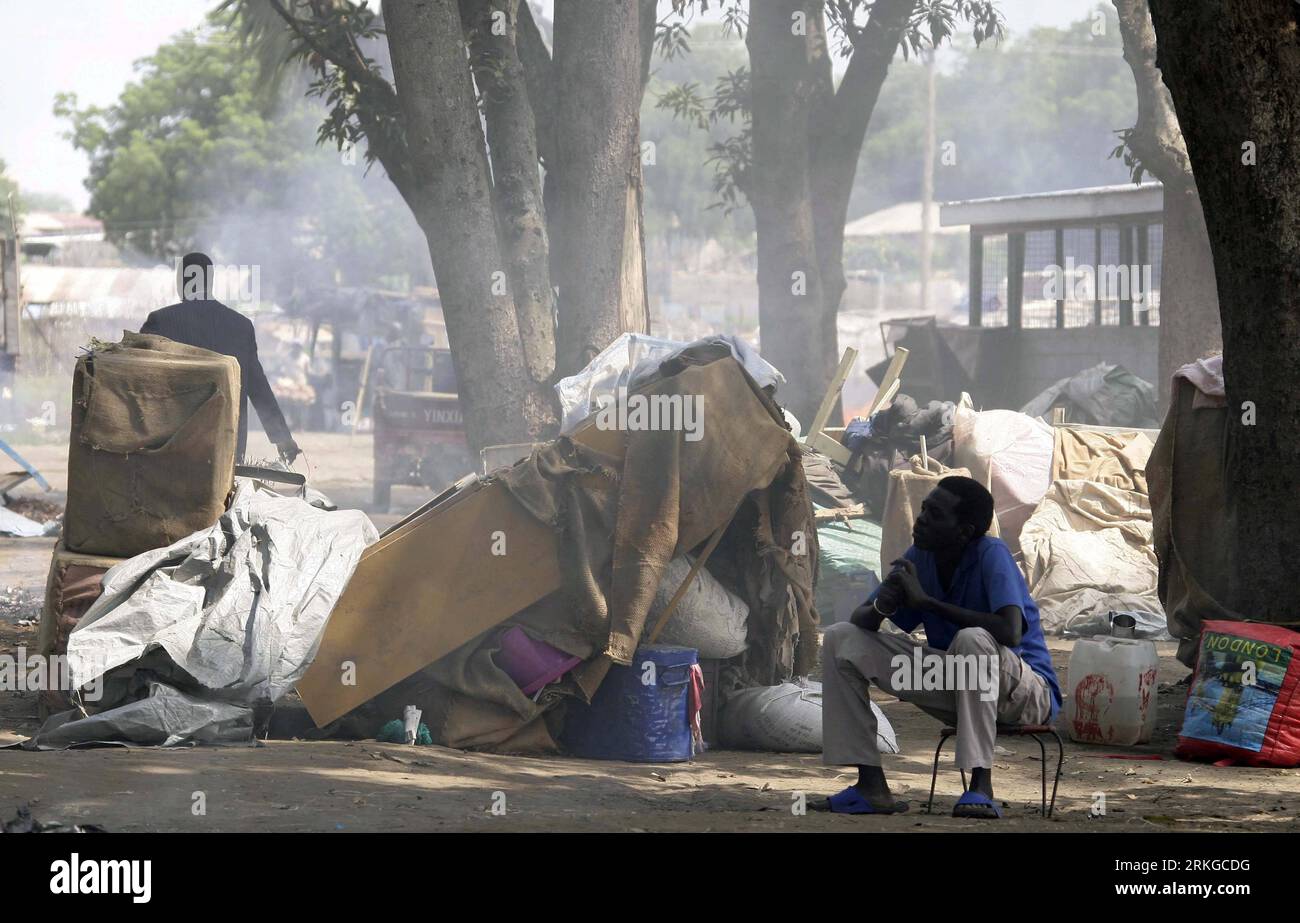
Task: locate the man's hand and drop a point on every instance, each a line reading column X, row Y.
column 891, row 596
column 869, row 615
column 865, row 617
column 908, row 582
column 289, row 451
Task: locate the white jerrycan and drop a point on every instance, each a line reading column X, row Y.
column 1111, row 687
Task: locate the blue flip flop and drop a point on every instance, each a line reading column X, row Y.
column 983, row 808
column 850, row 801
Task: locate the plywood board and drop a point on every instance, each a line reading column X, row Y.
column 429, row 585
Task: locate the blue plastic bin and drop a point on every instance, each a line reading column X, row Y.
column 640, row 713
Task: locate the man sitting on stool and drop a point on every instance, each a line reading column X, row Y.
column 964, row 587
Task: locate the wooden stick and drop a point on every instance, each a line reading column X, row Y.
column 892, row 374
column 833, row 392
column 361, row 390
column 695, row 569
column 835, row 514
column 831, row 448
column 889, row 394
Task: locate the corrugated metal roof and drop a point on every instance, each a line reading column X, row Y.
column 36, row 224
column 96, row 291
column 1095, row 202
column 903, row 218
column 80, row 291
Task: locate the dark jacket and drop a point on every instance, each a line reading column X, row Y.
column 211, row 325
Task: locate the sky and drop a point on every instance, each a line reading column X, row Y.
column 89, row 47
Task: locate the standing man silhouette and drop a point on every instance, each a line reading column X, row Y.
column 199, row 320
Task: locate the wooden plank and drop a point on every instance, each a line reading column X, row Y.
column 833, row 392
column 820, row 442
column 888, row 395
column 361, row 391
column 839, row 513
column 892, row 375
column 694, row 572
column 430, row 584
column 423, row 592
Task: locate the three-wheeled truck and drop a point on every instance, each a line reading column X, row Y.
column 419, row 430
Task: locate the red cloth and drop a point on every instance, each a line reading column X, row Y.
column 695, row 705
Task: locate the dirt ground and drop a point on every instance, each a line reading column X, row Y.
column 368, row 786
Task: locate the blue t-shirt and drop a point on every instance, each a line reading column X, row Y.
column 986, row 579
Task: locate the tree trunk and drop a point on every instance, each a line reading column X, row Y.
column 1189, row 302
column 1234, row 72
column 1189, row 306
column 512, row 140
column 839, row 126
column 453, row 204
column 791, row 316
column 539, row 80
column 596, row 231
column 807, row 136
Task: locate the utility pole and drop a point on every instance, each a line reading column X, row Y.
column 927, row 183
column 10, row 299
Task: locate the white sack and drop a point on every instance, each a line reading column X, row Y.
column 708, row 618
column 785, row 719
column 1012, row 454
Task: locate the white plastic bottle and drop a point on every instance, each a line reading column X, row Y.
column 1111, row 691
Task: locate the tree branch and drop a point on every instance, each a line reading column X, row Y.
column 516, row 186
column 840, row 121
column 347, row 58
column 873, row 50
column 377, row 98
column 1156, row 139
column 539, row 79
column 647, row 24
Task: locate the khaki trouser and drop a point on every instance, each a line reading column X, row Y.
column 853, row 658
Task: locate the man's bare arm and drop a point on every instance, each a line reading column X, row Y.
column 868, row 616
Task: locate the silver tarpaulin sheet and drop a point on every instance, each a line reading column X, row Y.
column 186, row 640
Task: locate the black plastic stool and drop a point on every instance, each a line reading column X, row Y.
column 1010, row 730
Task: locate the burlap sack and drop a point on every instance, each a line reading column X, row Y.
column 152, row 452
column 1194, row 516
column 73, row 584
column 907, row 488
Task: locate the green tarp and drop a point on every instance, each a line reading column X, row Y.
column 849, row 557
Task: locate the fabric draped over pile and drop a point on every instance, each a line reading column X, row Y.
column 617, row 527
